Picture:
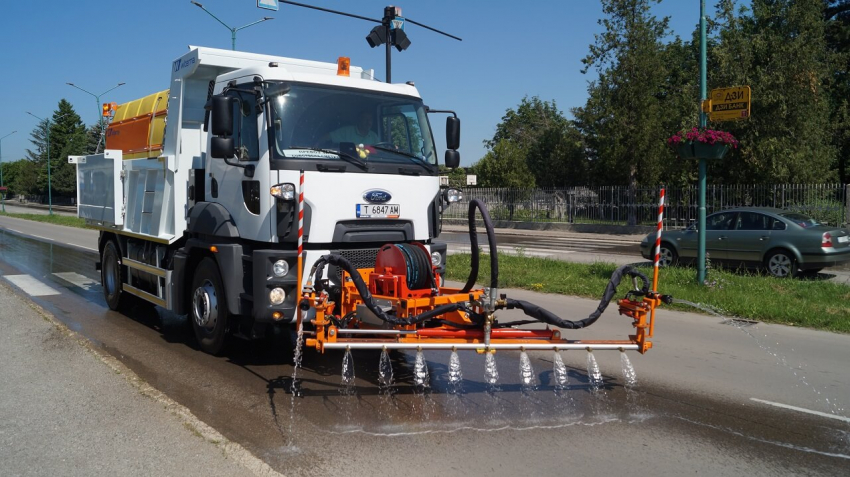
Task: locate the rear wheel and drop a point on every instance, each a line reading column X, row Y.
column 112, row 277
column 668, row 256
column 781, row 264
column 210, row 318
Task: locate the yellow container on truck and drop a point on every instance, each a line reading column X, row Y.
column 138, row 127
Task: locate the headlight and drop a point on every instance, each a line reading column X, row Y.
column 283, row 191
column 436, row 259
column 280, row 268
column 276, row 296
column 453, row 195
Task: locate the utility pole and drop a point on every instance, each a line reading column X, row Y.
column 703, row 122
column 232, row 30
column 97, row 103
column 3, row 193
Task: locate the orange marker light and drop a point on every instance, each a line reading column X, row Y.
column 214, row 249
column 277, row 315
column 343, row 66
column 106, row 109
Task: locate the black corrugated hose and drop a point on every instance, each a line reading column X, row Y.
column 473, row 240
column 547, row 316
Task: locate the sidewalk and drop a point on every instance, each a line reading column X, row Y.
column 66, row 409
column 482, row 232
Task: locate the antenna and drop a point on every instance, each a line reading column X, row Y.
column 389, row 32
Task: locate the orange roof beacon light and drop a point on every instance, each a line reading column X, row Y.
column 343, row 66
column 109, row 109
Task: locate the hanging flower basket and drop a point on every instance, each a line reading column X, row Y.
column 702, row 144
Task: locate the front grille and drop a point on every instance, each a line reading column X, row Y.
column 359, row 258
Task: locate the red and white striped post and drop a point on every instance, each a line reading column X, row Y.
column 300, row 243
column 658, row 241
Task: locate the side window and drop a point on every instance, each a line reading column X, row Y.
column 753, row 221
column 246, row 137
column 400, row 126
column 720, row 221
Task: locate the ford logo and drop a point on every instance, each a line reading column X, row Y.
column 377, row 196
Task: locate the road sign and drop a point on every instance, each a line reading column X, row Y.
column 267, row 4
column 471, row 179
column 397, row 23
column 729, row 104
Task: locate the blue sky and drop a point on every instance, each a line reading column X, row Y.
column 509, row 49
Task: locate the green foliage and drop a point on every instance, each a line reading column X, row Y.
column 505, row 166
column 67, row 137
column 780, row 50
column 623, row 120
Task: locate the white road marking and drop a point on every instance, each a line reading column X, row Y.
column 809, row 411
column 75, row 278
column 30, row 285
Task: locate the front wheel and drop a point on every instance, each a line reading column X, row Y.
column 781, row 264
column 210, row 318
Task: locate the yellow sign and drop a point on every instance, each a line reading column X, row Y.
column 729, row 104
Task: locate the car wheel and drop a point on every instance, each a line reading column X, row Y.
column 781, row 264
column 210, row 318
column 668, row 257
column 112, row 277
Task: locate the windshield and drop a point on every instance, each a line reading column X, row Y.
column 325, row 122
column 802, row 220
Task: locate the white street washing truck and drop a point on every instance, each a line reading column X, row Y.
column 197, row 193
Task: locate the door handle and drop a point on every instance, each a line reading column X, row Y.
column 722, row 238
column 764, row 237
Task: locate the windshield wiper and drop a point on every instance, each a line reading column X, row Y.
column 347, row 157
column 416, row 159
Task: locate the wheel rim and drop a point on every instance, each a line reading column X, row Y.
column 205, row 305
column 666, row 258
column 779, row 265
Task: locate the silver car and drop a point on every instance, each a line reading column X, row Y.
column 785, row 243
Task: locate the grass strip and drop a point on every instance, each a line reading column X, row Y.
column 66, row 220
column 811, row 303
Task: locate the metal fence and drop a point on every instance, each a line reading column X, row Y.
column 618, row 205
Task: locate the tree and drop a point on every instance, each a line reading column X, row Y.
column 780, row 50
column 553, row 147
column 504, row 166
column 67, row 137
column 622, row 120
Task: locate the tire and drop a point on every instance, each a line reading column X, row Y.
column 112, row 277
column 209, row 315
column 669, row 257
column 781, row 264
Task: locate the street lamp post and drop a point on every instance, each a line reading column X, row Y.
column 49, row 188
column 97, row 104
column 232, row 30
column 3, row 192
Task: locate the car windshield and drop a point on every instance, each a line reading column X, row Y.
column 802, row 220
column 325, row 122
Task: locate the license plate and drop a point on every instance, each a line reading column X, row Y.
column 377, row 211
column 844, row 239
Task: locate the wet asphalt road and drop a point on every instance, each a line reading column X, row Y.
column 690, row 413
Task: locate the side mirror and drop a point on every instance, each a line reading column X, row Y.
column 222, row 148
column 222, row 116
column 452, row 132
column 452, row 159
